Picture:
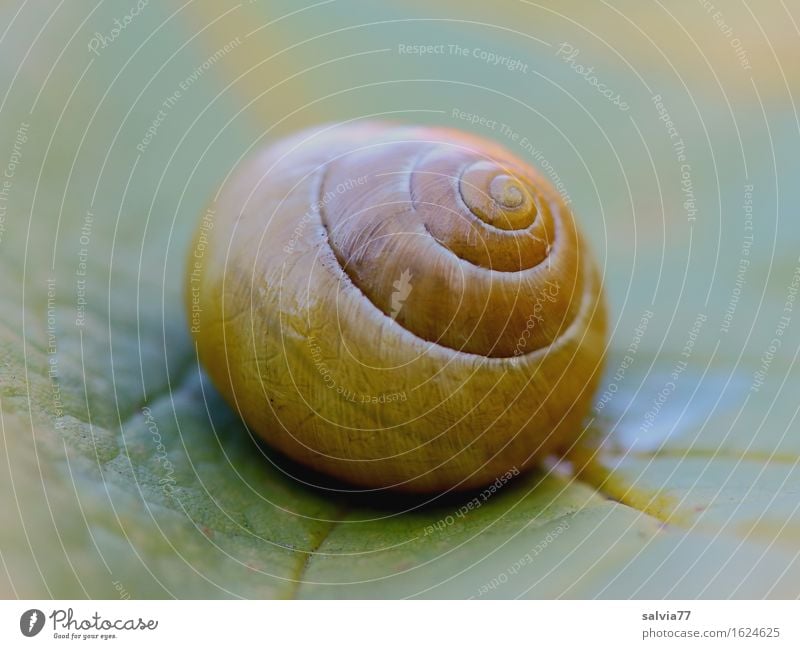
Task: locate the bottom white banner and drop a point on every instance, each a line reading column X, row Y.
column 404, row 624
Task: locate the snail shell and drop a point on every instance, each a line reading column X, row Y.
column 398, row 307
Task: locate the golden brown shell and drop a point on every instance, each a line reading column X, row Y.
column 399, row 307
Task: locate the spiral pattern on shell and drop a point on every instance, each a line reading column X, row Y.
column 348, row 265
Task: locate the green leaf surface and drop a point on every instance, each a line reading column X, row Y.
column 122, row 471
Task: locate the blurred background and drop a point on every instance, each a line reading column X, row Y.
column 672, row 129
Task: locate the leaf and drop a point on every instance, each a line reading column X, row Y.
column 124, row 474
